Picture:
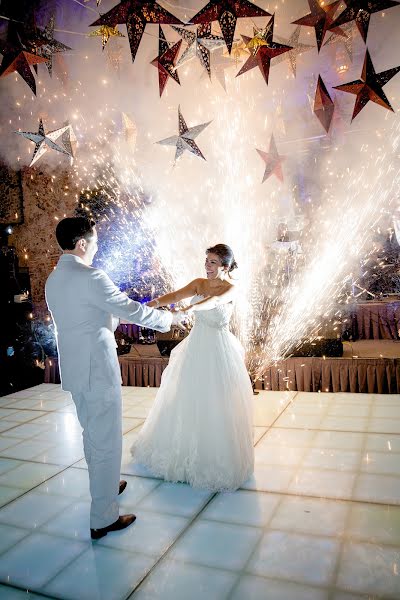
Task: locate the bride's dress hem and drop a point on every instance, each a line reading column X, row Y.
column 210, row 484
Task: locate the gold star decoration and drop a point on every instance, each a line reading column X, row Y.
column 106, row 32
column 239, row 52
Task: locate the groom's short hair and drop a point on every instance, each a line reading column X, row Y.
column 72, row 229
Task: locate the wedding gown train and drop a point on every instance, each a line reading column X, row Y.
column 200, row 428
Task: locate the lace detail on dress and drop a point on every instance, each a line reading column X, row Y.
column 218, row 317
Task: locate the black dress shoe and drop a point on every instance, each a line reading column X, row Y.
column 122, row 522
column 122, row 486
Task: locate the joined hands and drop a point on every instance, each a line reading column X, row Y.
column 180, row 320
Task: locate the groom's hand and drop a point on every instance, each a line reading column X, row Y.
column 179, row 319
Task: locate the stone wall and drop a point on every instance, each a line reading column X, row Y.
column 46, row 199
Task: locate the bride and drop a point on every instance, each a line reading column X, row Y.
column 200, row 427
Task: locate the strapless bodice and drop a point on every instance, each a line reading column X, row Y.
column 217, row 317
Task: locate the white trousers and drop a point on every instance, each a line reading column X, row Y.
column 99, row 413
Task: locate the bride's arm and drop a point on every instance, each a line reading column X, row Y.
column 186, row 292
column 213, row 301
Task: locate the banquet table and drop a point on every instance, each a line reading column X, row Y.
column 315, row 374
column 142, row 371
column 375, row 320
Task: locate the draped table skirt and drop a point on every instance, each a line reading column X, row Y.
column 142, row 372
column 367, row 375
column 375, row 320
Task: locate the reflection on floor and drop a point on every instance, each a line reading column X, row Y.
column 319, row 520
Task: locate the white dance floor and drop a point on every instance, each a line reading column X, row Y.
column 320, row 519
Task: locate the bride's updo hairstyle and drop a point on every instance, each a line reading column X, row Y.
column 225, row 253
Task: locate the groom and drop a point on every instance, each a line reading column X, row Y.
column 85, row 306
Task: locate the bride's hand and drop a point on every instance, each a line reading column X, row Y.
column 153, row 304
column 187, row 309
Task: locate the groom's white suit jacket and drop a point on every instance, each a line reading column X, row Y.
column 83, row 302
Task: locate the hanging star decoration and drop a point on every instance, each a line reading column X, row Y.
column 45, row 45
column 297, row 49
column 165, row 61
column 136, row 14
column 312, row 82
column 273, row 161
column 369, row 86
column 321, row 18
column 62, row 68
column 346, row 37
column 340, row 118
column 360, row 11
column 239, row 52
column 43, row 141
column 226, row 12
column 114, row 53
column 129, row 130
column 185, row 139
column 323, row 105
column 106, row 32
column 69, row 142
column 264, row 50
column 17, row 58
column 220, row 63
column 200, row 42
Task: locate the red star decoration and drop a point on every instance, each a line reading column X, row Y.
column 226, row 12
column 17, row 58
column 273, row 161
column 263, row 55
column 165, row 61
column 369, row 87
column 360, row 11
column 136, row 14
column 321, row 18
column 323, row 105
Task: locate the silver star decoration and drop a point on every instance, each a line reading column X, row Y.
column 200, row 42
column 43, row 141
column 349, row 33
column 297, row 49
column 185, row 139
column 69, row 142
column 220, row 62
column 49, row 45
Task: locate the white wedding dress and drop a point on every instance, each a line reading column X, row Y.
column 200, row 428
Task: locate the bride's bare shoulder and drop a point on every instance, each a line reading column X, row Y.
column 231, row 284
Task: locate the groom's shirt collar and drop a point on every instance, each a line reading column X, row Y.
column 71, row 258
